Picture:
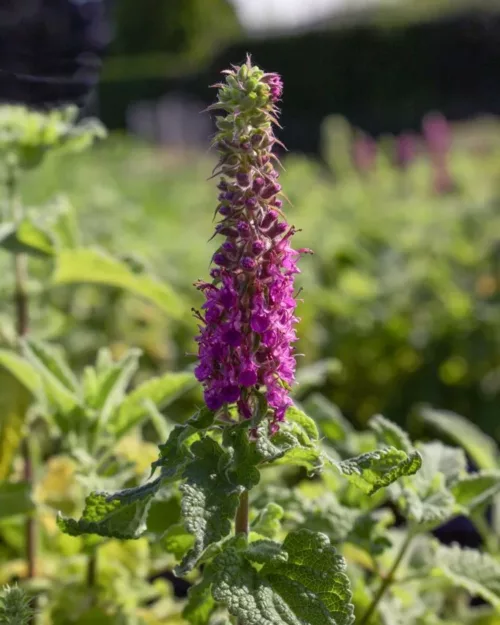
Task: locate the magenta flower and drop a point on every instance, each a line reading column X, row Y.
column 247, row 328
column 438, row 136
column 405, row 150
column 364, row 153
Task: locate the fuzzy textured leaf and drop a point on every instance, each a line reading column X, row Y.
column 118, row 515
column 426, row 497
column 390, row 434
column 476, row 572
column 380, row 468
column 265, row 552
column 309, row 587
column 209, row 499
column 244, row 456
column 295, row 415
column 175, row 453
column 290, row 445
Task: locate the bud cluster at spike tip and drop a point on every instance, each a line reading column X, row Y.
column 247, row 328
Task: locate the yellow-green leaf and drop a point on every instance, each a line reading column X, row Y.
column 91, row 266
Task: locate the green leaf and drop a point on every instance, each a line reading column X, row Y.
column 202, row 419
column 175, row 453
column 295, row 415
column 111, row 386
column 268, row 522
column 481, row 448
column 331, row 421
column 378, row 469
column 390, row 434
column 439, row 458
column 22, row 370
column 60, row 385
column 426, row 498
column 90, row 266
column 15, row 400
column 15, row 498
column 209, row 500
column 308, row 586
column 26, row 238
column 53, row 361
column 290, row 445
column 243, row 456
column 309, row 458
column 160, row 390
column 118, row 515
column 328, row 516
column 429, row 509
column 200, row 603
column 476, row 488
column 64, row 224
column 177, row 541
column 477, row 573
column 370, row 532
column 265, row 552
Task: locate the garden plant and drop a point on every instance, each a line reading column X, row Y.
column 265, row 502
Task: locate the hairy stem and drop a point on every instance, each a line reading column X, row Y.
column 387, row 581
column 21, row 311
column 241, row 521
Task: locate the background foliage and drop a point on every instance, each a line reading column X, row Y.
column 403, row 289
column 400, row 307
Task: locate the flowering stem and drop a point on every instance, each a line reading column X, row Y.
column 21, row 307
column 247, row 323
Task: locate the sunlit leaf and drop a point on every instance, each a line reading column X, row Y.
column 481, row 448
column 307, row 585
column 60, row 385
column 89, row 266
column 15, row 400
column 26, row 238
column 118, row 515
column 378, row 469
column 160, row 391
column 476, row 488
